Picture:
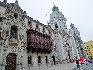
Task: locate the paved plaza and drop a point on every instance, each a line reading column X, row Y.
column 69, row 66
column 86, row 67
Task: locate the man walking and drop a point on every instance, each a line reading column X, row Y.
column 77, row 62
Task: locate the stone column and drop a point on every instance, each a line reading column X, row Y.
column 75, row 47
column 72, row 48
column 1, row 57
column 60, row 49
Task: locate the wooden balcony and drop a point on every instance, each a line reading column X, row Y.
column 38, row 42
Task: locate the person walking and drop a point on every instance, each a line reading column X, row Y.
column 77, row 62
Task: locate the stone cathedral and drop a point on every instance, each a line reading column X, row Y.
column 27, row 44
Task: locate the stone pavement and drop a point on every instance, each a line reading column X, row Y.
column 68, row 66
column 86, row 67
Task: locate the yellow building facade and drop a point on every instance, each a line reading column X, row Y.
column 89, row 48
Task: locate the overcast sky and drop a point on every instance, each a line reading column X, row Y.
column 78, row 12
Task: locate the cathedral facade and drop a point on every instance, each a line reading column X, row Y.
column 68, row 43
column 27, row 44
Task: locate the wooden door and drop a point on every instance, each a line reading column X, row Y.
column 10, row 61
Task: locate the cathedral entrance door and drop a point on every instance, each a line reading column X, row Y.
column 10, row 61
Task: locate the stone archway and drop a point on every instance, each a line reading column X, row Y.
column 10, row 61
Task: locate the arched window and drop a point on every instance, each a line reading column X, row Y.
column 37, row 28
column 53, row 57
column 39, row 59
column 15, row 15
column 56, row 26
column 46, row 59
column 14, row 32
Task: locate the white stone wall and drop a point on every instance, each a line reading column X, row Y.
column 18, row 46
column 61, row 37
column 58, row 18
column 76, row 39
column 64, row 40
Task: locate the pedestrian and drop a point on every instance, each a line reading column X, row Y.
column 77, row 62
column 85, row 61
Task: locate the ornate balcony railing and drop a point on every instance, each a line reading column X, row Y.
column 38, row 42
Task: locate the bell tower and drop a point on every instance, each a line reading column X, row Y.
column 57, row 19
column 58, row 24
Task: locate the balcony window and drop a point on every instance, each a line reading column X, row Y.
column 39, row 59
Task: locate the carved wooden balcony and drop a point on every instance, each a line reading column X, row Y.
column 38, row 42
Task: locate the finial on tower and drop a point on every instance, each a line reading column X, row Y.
column 16, row 3
column 55, row 8
column 5, row 1
column 53, row 4
column 72, row 25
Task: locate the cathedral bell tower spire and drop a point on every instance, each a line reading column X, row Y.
column 16, row 3
column 55, row 8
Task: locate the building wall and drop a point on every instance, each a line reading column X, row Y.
column 14, row 24
column 68, row 43
column 16, row 39
column 89, row 48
